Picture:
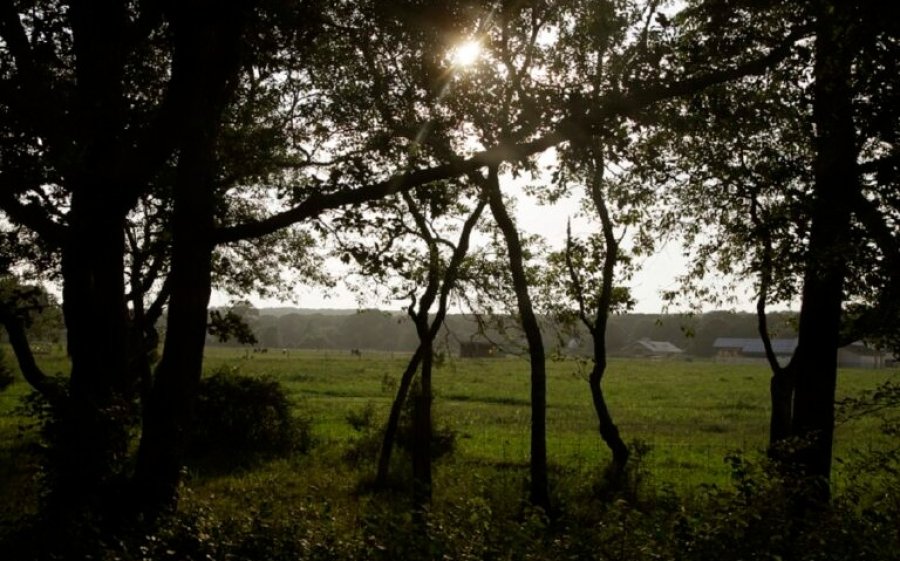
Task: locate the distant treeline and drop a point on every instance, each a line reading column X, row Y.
column 286, row 328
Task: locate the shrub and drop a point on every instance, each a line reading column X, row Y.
column 443, row 437
column 367, row 445
column 240, row 418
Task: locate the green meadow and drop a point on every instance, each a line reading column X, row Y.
column 686, row 415
column 690, row 413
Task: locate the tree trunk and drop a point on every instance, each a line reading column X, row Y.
column 167, row 415
column 89, row 431
column 815, row 362
column 390, row 430
column 422, row 427
column 609, row 432
column 781, row 394
column 539, row 485
column 90, row 437
column 207, row 46
column 425, row 332
column 781, row 385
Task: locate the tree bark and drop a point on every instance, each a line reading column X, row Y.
column 539, row 486
column 90, row 428
column 815, row 361
column 781, row 385
column 390, row 430
column 422, row 425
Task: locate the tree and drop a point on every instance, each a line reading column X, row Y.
column 386, row 246
column 801, row 190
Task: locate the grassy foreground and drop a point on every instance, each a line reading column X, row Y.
column 688, row 416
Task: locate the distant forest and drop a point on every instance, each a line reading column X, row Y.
column 293, row 328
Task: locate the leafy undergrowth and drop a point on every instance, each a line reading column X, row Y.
column 311, row 508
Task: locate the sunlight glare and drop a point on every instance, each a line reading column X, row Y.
column 465, row 54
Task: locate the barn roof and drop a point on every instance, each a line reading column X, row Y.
column 664, row 347
column 755, row 346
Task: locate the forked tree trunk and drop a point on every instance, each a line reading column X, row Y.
column 207, row 47
column 422, row 427
column 539, row 494
column 440, row 288
column 390, row 429
column 91, row 433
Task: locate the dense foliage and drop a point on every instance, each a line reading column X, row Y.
column 284, row 329
column 485, row 519
column 239, row 418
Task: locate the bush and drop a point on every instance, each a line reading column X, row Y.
column 240, row 418
column 443, row 436
column 367, row 445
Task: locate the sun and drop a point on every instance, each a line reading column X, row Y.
column 465, row 54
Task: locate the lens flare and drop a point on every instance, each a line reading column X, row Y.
column 465, row 54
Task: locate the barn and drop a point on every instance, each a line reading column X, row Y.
column 858, row 355
column 652, row 349
column 733, row 347
column 855, row 355
column 477, row 349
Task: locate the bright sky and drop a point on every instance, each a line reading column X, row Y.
column 657, row 272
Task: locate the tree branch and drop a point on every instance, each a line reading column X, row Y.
column 32, row 373
column 32, row 217
column 615, row 105
column 765, row 280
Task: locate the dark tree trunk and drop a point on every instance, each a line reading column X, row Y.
column 422, row 426
column 815, row 362
column 390, row 430
column 207, row 49
column 609, row 432
column 781, row 385
column 167, row 414
column 91, row 436
column 539, row 485
column 90, row 433
column 781, row 394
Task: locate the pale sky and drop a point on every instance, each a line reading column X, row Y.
column 657, row 272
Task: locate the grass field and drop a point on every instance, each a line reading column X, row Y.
column 690, row 413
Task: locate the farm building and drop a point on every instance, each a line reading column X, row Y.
column 732, row 347
column 477, row 349
column 652, row 349
column 856, row 355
